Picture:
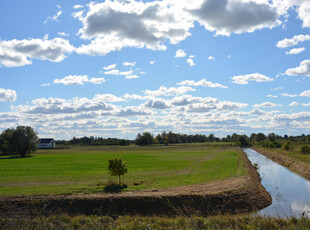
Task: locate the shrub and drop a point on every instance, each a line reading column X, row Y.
column 287, row 146
column 271, row 144
column 277, row 144
column 305, row 149
column 266, row 143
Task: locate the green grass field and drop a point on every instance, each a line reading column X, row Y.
column 84, row 169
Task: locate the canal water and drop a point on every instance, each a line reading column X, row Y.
column 290, row 193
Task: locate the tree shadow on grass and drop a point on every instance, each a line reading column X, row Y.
column 114, row 188
column 7, row 157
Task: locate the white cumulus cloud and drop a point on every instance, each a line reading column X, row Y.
column 98, row 80
column 287, row 42
column 180, row 53
column 304, row 13
column 305, row 93
column 294, row 103
column 157, row 103
column 117, row 24
column 163, row 91
column 266, row 105
column 7, row 95
column 53, row 18
column 305, row 104
column 126, row 73
column 129, row 63
column 109, row 67
column 78, row 80
column 302, row 70
column 72, row 80
column 132, row 76
column 244, row 79
column 63, row 106
column 202, row 82
column 190, row 61
column 63, row 34
column 78, row 6
column 113, row 25
column 288, row 95
column 20, row 52
column 107, row 98
column 235, row 16
column 295, row 50
column 272, row 96
column 112, row 72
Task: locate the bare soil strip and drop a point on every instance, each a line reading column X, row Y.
column 301, row 168
column 235, row 195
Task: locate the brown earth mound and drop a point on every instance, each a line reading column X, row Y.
column 235, row 195
column 301, row 168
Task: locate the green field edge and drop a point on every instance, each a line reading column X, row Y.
column 83, row 169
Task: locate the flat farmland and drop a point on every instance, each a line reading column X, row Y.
column 84, row 169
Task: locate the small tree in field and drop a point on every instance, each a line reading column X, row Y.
column 117, row 168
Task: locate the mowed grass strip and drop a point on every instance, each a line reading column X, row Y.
column 84, row 169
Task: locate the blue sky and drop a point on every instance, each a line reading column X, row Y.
column 116, row 68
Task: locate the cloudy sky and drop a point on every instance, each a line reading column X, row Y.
column 116, row 68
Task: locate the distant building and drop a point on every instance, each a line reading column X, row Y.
column 47, row 143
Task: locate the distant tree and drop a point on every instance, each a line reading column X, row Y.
column 271, row 137
column 243, row 141
column 211, row 137
column 124, row 142
column 20, row 141
column 139, row 139
column 234, row 137
column 260, row 137
column 253, row 137
column 157, row 139
column 145, row 138
column 117, row 168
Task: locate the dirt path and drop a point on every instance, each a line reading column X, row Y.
column 301, row 168
column 234, row 195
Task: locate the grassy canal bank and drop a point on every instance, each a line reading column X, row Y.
column 292, row 159
column 58, row 222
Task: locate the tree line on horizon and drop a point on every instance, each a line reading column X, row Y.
column 147, row 138
column 23, row 140
column 94, row 141
column 243, row 140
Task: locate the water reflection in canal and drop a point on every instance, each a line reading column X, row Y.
column 290, row 192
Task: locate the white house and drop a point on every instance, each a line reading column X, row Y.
column 47, row 143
